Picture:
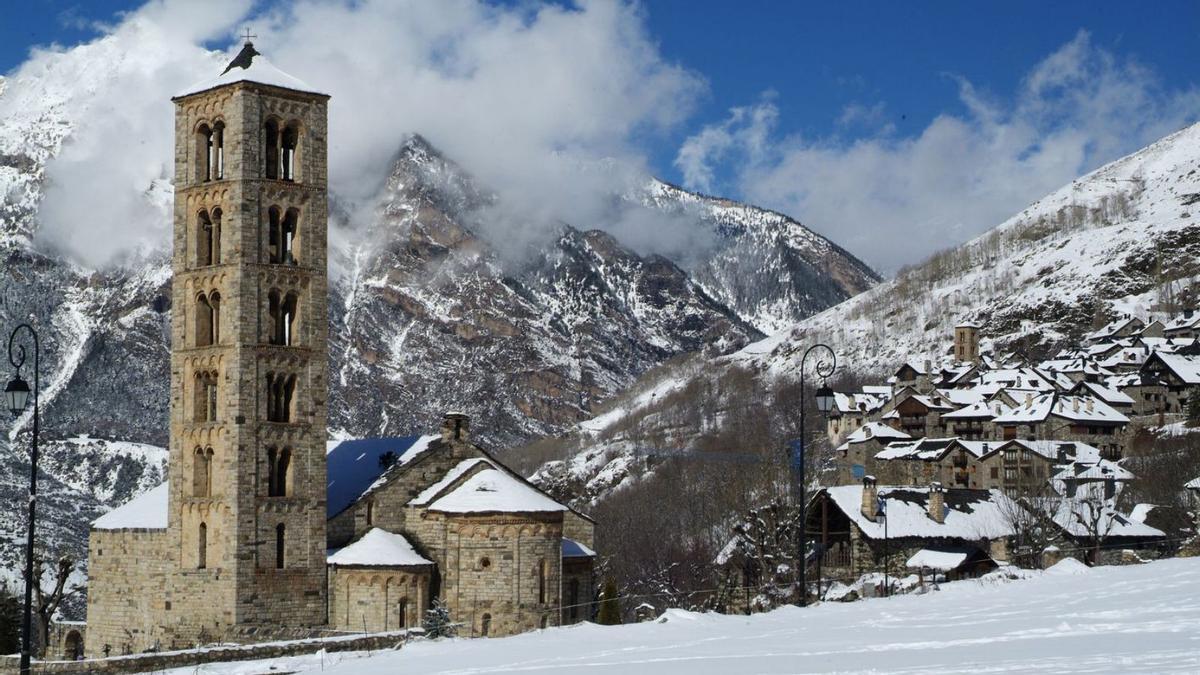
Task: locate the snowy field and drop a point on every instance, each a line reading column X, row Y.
column 1068, row 620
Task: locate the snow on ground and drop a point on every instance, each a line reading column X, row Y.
column 1071, row 619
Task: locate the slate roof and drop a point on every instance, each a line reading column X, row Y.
column 353, row 467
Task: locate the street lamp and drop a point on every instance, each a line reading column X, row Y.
column 824, row 401
column 16, row 396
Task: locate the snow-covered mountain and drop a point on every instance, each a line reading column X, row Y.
column 1124, row 238
column 426, row 314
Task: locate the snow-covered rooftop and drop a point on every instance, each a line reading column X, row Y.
column 937, row 559
column 494, row 491
column 257, row 69
column 147, row 511
column 1074, row 408
column 876, row 430
column 970, row 514
column 574, row 549
column 1186, row 368
column 378, row 548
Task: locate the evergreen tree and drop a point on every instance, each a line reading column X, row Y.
column 437, row 621
column 1193, row 409
column 610, row 605
column 10, row 622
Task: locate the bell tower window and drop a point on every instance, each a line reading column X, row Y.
column 281, row 235
column 280, row 389
column 202, row 473
column 271, row 148
column 204, row 321
column 280, row 545
column 217, row 151
column 279, row 464
column 282, row 313
column 202, row 547
column 289, row 144
column 204, row 153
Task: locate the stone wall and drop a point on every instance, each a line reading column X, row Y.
column 145, row 663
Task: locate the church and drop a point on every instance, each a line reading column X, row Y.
column 264, row 530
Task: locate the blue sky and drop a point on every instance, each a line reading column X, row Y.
column 814, row 108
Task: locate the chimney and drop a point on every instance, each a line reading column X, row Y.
column 1028, row 399
column 937, row 502
column 1090, row 407
column 928, row 367
column 456, row 427
column 1075, row 403
column 870, row 498
column 867, row 431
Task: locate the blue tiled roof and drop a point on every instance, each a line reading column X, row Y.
column 354, row 465
column 574, row 549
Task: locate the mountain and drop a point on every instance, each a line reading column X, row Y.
column 1124, row 238
column 426, row 314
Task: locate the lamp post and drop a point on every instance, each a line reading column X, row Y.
column 824, row 397
column 16, row 396
column 881, row 508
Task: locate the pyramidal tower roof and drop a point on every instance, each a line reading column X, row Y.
column 250, row 66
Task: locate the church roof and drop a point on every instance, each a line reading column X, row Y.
column 494, row 491
column 147, row 511
column 353, row 468
column 250, row 66
column 574, row 549
column 378, row 548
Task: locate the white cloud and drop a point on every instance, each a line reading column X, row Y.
column 894, row 200
column 522, row 96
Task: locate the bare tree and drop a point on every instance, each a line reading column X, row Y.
column 53, row 588
column 1029, row 512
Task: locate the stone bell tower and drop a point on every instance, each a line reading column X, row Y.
column 246, row 509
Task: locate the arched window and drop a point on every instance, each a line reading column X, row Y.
column 271, row 148
column 205, row 398
column 272, row 472
column 280, row 389
column 214, row 303
column 204, row 153
column 279, row 545
column 274, row 220
column 214, row 255
column 202, row 547
column 204, row 317
column 287, row 237
column 402, row 613
column 542, row 573
column 287, row 319
column 370, row 512
column 217, row 151
column 290, row 145
column 485, row 625
column 199, row 473
column 204, row 239
column 282, row 467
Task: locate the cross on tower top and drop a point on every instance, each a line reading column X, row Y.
column 248, row 35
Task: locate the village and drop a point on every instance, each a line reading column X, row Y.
column 955, row 466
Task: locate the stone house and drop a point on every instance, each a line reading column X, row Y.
column 868, row 528
column 1185, row 326
column 1054, row 416
column 948, row 461
column 1167, row 382
column 1122, row 327
column 854, row 457
column 852, row 410
column 917, row 414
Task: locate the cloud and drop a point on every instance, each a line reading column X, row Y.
column 525, row 97
column 894, row 200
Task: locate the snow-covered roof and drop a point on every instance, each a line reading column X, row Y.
column 354, row 468
column 938, row 559
column 970, row 514
column 1107, row 394
column 259, row 70
column 1087, row 409
column 1182, row 322
column 574, row 549
column 494, row 491
column 876, row 430
column 934, row 448
column 979, row 410
column 147, row 511
column 1083, row 518
column 378, row 548
column 1115, row 327
column 457, row 471
column 860, row 402
column 1141, row 511
column 1186, row 368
